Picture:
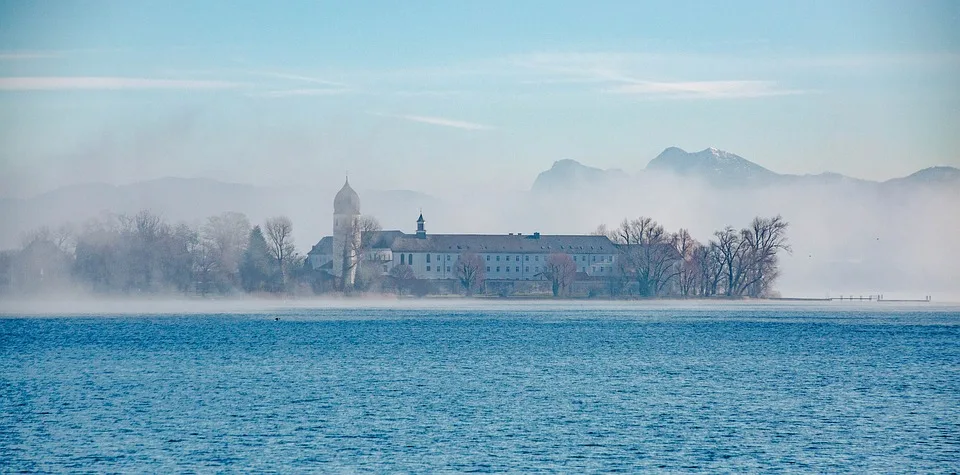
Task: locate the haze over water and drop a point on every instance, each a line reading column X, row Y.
column 505, row 387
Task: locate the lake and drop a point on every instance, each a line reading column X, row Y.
column 577, row 387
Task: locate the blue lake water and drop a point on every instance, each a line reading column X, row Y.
column 523, row 388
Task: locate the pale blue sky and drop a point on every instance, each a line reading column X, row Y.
column 438, row 96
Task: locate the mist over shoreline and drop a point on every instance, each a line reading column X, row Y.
column 849, row 236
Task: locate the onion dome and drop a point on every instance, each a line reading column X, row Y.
column 347, row 201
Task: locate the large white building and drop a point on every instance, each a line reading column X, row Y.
column 508, row 257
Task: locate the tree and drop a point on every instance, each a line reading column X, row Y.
column 279, row 234
column 360, row 237
column 749, row 257
column 255, row 266
column 177, row 261
column 143, row 234
column 470, row 271
column 646, row 253
column 225, row 238
column 403, row 277
column 765, row 238
column 205, row 265
column 561, row 271
column 687, row 270
column 709, row 269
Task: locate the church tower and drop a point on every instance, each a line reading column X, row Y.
column 421, row 231
column 346, row 235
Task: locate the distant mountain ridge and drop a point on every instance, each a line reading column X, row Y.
column 715, row 165
column 723, row 169
column 565, row 172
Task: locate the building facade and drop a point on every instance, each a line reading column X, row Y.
column 506, row 257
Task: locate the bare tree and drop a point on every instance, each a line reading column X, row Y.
column 205, row 264
column 360, row 237
column 645, row 247
column 687, row 269
column 226, row 238
column 765, row 238
column 561, row 271
column 709, row 269
column 279, row 232
column 470, row 271
column 403, row 277
column 732, row 249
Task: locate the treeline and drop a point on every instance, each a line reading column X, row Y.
column 734, row 263
column 145, row 254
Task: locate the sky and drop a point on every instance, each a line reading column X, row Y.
column 443, row 97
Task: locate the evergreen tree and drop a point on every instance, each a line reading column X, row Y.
column 255, row 268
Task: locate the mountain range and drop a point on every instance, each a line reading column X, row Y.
column 722, row 169
column 845, row 231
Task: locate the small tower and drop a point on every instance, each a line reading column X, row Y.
column 346, row 214
column 421, row 231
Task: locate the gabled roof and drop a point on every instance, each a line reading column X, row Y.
column 570, row 244
column 384, row 239
column 324, row 246
column 379, row 240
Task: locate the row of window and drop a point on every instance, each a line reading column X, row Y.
column 408, row 258
column 438, row 268
column 537, row 258
column 516, row 269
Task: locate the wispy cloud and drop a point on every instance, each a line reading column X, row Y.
column 25, row 55
column 296, row 77
column 702, row 89
column 53, row 83
column 621, row 73
column 441, row 121
column 302, row 92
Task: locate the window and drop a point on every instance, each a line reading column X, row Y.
column 526, row 269
column 526, row 258
column 410, row 259
column 498, row 258
column 582, row 269
column 593, row 259
column 498, row 268
column 428, row 267
column 488, row 268
column 448, row 257
column 448, row 268
column 537, row 269
column 517, row 269
column 508, row 268
column 536, row 258
column 402, row 259
column 488, row 258
column 385, row 268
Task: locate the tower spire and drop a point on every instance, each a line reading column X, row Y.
column 421, row 231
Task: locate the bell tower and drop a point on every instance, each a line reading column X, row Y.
column 346, row 236
column 421, row 231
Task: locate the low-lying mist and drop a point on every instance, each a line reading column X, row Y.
column 848, row 237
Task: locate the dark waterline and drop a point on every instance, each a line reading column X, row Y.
column 484, row 390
